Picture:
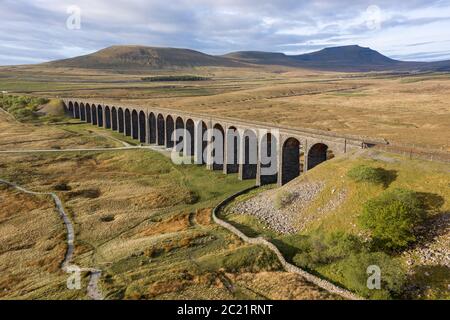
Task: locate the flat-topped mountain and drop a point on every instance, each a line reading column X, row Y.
column 346, row 58
column 346, row 54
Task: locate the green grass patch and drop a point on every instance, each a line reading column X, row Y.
column 250, row 258
column 364, row 173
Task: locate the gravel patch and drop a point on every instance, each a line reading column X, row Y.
column 281, row 220
column 432, row 248
column 337, row 199
column 376, row 155
column 334, row 202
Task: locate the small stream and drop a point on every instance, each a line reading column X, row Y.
column 92, row 290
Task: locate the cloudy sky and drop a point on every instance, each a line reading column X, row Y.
column 34, row 31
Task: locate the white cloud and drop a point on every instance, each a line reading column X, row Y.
column 36, row 30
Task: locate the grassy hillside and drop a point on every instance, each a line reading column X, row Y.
column 138, row 57
column 329, row 238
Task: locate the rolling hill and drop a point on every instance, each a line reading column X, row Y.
column 346, row 59
column 141, row 57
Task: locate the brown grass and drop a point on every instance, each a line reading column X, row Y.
column 281, row 286
column 402, row 109
column 173, row 224
column 14, row 202
column 32, row 244
column 203, row 216
column 162, row 287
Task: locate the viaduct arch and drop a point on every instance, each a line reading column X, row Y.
column 179, row 135
column 152, row 128
column 82, row 112
column 134, row 125
column 121, row 120
column 100, row 116
column 107, row 117
column 127, row 122
column 88, row 113
column 290, row 163
column 268, row 159
column 69, row 109
column 114, row 119
column 161, row 131
column 189, row 139
column 170, row 127
column 249, row 155
column 94, row 114
column 142, row 127
column 201, row 139
column 232, row 143
column 218, row 147
column 77, row 110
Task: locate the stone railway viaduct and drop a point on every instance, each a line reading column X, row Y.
column 250, row 149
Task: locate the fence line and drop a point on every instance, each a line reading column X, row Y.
column 413, row 152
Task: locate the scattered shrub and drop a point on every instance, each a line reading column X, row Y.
column 319, row 249
column 354, row 270
column 24, row 114
column 192, row 197
column 62, row 187
column 392, row 218
column 363, row 173
column 107, row 218
column 42, row 101
column 283, row 199
column 88, row 193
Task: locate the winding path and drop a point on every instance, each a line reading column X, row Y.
column 92, row 290
column 161, row 149
column 71, row 150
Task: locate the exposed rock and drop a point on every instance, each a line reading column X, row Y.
column 433, row 243
column 283, row 220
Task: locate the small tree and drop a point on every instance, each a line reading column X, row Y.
column 392, row 218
